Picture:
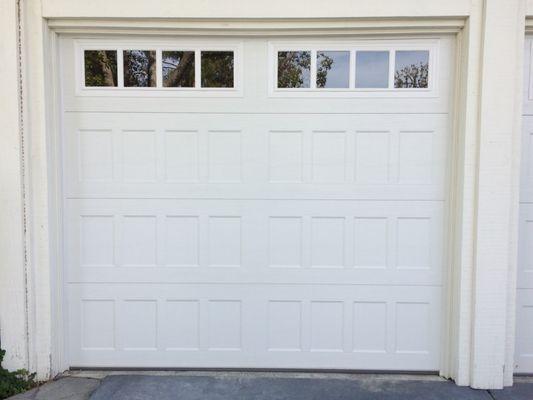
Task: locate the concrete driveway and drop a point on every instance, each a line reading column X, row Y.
column 263, row 386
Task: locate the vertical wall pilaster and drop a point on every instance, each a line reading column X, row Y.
column 497, row 191
column 13, row 322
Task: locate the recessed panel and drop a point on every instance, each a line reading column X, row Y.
column 285, row 241
column 138, row 156
column 224, row 156
column 524, row 342
column 139, row 241
column 181, row 156
column 414, row 243
column 225, row 241
column 95, row 156
column 412, row 327
column 97, row 240
column 182, row 241
column 327, row 242
column 285, row 156
column 98, row 324
column 371, row 242
column 527, row 247
column 182, row 325
column 224, row 325
column 416, row 161
column 329, row 156
column 284, row 325
column 327, row 326
column 139, row 325
column 370, row 327
column 372, row 157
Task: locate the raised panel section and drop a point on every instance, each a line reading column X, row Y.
column 285, row 241
column 139, row 156
column 182, row 325
column 329, row 158
column 370, row 327
column 95, row 155
column 182, row 241
column 224, row 156
column 285, row 156
column 413, row 243
column 416, row 158
column 139, row 325
column 327, row 326
column 139, row 240
column 225, row 325
column 412, row 327
column 327, row 242
column 371, row 238
column 526, row 259
column 97, row 240
column 524, row 342
column 98, row 324
column 284, row 325
column 372, row 157
column 181, row 156
column 225, row 241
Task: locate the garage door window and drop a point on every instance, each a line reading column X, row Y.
column 217, row 69
column 100, row 67
column 354, row 68
column 145, row 69
column 294, row 69
column 140, row 68
column 412, row 69
column 333, row 69
column 178, row 68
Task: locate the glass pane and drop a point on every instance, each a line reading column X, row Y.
column 178, row 68
column 217, row 69
column 294, row 69
column 100, row 68
column 139, row 68
column 372, row 69
column 333, row 69
column 411, row 70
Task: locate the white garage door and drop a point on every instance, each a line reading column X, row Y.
column 524, row 305
column 255, row 203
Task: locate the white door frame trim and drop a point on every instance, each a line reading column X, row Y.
column 465, row 351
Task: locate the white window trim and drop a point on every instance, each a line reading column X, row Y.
column 352, row 46
column 159, row 46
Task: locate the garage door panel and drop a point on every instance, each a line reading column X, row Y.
column 244, row 241
column 252, row 226
column 256, row 156
column 255, row 325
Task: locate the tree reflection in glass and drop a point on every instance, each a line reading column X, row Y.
column 139, row 68
column 333, row 69
column 100, row 67
column 178, row 68
column 412, row 69
column 294, row 69
column 217, row 69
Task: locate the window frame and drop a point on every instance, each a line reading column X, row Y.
column 431, row 45
column 158, row 46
